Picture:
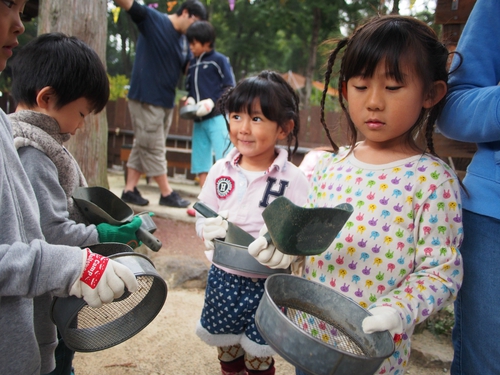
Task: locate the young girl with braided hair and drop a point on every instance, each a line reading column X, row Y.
column 260, row 111
column 398, row 254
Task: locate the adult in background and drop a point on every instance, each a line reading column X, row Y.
column 472, row 114
column 162, row 54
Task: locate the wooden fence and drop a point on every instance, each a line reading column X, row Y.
column 311, row 135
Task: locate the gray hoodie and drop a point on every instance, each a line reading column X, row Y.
column 29, row 266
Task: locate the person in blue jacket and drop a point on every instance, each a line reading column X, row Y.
column 209, row 75
column 472, row 114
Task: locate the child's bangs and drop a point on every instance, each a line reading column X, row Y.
column 243, row 97
column 388, row 42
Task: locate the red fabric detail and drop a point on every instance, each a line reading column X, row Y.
column 270, row 371
column 233, row 367
column 224, row 186
column 94, row 269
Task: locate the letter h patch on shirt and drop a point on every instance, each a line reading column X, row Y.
column 273, row 190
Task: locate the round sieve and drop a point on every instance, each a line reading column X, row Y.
column 88, row 329
column 319, row 330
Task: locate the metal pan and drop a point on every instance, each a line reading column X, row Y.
column 232, row 252
column 296, row 230
column 88, row 329
column 188, row 112
column 319, row 330
column 99, row 205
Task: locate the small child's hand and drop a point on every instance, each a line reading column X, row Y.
column 102, row 280
column 267, row 254
column 190, row 101
column 205, row 107
column 215, row 227
column 384, row 318
column 125, row 233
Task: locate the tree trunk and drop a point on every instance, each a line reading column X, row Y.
column 395, row 7
column 313, row 50
column 87, row 20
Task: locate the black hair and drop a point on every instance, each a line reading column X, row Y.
column 65, row 63
column 201, row 31
column 194, row 8
column 397, row 40
column 278, row 102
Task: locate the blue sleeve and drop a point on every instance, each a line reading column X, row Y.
column 137, row 12
column 472, row 110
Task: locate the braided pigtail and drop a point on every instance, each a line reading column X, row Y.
column 331, row 60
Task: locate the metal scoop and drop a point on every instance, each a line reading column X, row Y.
column 296, row 230
column 234, row 235
column 99, row 205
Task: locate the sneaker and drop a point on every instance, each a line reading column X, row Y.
column 174, row 200
column 191, row 212
column 136, row 191
column 134, row 197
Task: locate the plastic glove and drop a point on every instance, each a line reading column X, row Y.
column 102, row 280
column 190, row 101
column 205, row 107
column 124, row 233
column 384, row 318
column 267, row 254
column 215, row 227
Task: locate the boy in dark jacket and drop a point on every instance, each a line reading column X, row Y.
column 209, row 75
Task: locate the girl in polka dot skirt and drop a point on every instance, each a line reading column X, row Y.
column 261, row 111
column 398, row 254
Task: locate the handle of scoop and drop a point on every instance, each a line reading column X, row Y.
column 267, row 236
column 148, row 239
column 204, row 210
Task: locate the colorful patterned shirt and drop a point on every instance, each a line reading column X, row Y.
column 400, row 246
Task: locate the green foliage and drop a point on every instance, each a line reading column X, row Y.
column 263, row 34
column 118, row 86
column 440, row 323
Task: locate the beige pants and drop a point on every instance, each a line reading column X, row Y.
column 151, row 125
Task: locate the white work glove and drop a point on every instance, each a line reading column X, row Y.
column 205, row 107
column 215, row 227
column 190, row 101
column 102, row 280
column 384, row 318
column 267, row 254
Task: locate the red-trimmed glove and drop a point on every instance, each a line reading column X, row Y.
column 205, row 107
column 190, row 101
column 102, row 280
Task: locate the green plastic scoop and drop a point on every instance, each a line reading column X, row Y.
column 296, row 230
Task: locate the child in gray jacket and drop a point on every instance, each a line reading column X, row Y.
column 29, row 266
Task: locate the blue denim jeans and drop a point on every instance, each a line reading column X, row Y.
column 299, row 372
column 477, row 318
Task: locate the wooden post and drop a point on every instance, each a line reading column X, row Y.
column 453, row 15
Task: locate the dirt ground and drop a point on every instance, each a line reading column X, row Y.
column 169, row 346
